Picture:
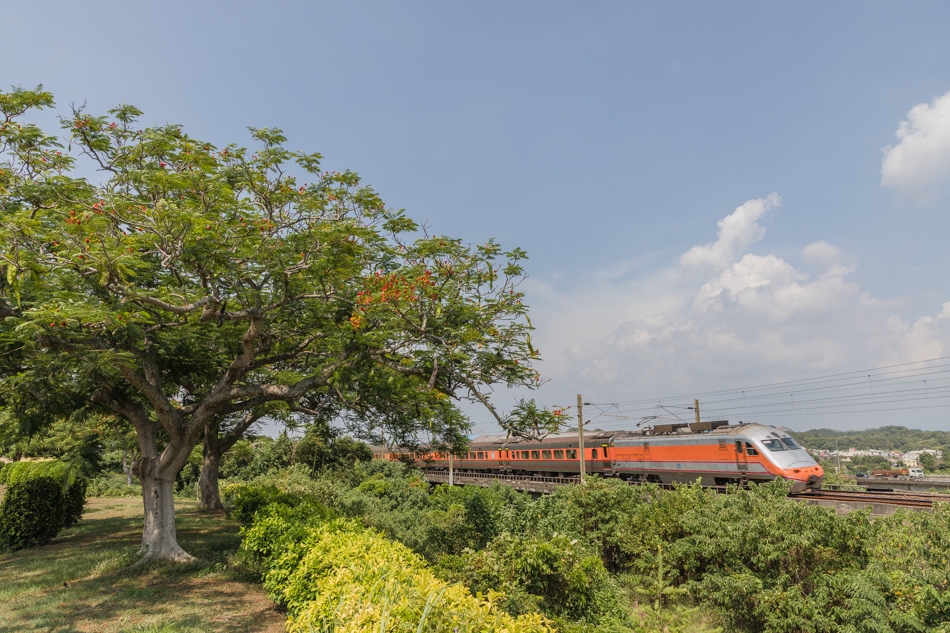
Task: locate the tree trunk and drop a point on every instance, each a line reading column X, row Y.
column 157, row 474
column 215, row 447
column 159, row 538
column 208, row 481
column 126, row 469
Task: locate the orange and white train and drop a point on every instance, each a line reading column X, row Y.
column 716, row 453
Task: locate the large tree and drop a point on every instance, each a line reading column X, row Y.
column 191, row 285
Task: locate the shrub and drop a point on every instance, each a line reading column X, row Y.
column 337, row 575
column 559, row 575
column 362, row 581
column 113, row 485
column 72, row 486
column 467, row 517
column 74, row 501
column 16, row 472
column 32, row 513
column 278, row 528
column 771, row 563
column 249, row 499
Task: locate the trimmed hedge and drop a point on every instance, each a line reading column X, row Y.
column 41, row 499
column 32, row 513
column 15, row 472
column 338, row 575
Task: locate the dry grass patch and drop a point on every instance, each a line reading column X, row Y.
column 81, row 581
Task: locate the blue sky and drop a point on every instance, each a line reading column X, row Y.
column 609, row 140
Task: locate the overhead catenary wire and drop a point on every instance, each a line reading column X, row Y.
column 921, row 384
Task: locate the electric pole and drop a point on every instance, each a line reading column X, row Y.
column 580, row 435
column 696, row 409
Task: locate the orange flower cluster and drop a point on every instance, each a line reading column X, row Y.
column 391, row 289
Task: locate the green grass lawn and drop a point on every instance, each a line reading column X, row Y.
column 81, row 581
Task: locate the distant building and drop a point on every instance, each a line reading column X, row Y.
column 911, row 459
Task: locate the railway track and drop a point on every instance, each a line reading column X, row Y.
column 896, row 498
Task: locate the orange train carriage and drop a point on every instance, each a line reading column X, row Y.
column 716, row 453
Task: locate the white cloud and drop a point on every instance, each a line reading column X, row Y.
column 737, row 231
column 721, row 317
column 920, row 162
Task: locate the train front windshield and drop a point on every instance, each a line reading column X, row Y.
column 783, row 444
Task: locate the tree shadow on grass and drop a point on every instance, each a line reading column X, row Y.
column 83, row 581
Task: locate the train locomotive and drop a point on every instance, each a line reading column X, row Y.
column 716, row 453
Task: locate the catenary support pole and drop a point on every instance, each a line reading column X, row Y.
column 580, row 435
column 451, row 470
column 696, row 409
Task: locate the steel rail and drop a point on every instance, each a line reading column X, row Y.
column 900, row 498
column 910, row 500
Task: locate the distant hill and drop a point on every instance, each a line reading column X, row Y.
column 885, row 438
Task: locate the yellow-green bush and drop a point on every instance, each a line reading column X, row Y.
column 16, row 472
column 350, row 582
column 339, row 576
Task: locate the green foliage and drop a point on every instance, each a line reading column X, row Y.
column 196, row 280
column 74, row 501
column 885, row 438
column 187, row 477
column 271, row 455
column 928, row 462
column 338, row 576
column 462, row 517
column 235, row 462
column 279, row 528
column 112, row 485
column 33, row 512
column 249, row 499
column 558, row 575
column 16, row 472
column 71, row 488
column 909, row 568
column 321, row 452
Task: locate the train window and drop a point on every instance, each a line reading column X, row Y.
column 545, row 454
column 571, row 453
column 593, row 453
column 481, row 455
column 558, row 454
column 790, row 443
column 750, row 450
column 525, row 455
column 535, row 454
column 774, row 445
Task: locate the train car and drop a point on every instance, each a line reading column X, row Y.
column 715, row 453
column 891, row 474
